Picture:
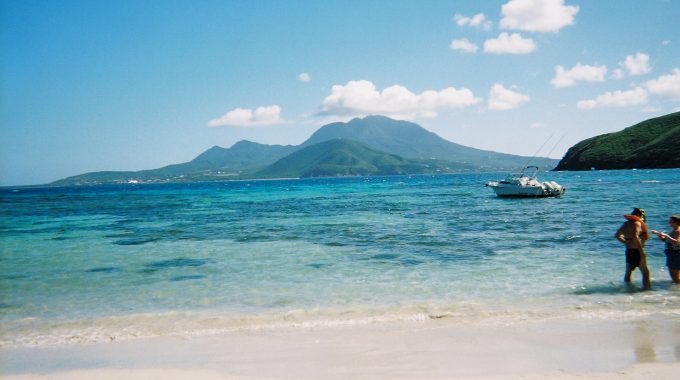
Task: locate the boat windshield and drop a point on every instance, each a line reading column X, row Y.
column 530, row 171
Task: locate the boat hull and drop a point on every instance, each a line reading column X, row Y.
column 544, row 190
column 503, row 191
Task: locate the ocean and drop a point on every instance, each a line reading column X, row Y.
column 93, row 264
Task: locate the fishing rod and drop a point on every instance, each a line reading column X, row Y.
column 555, row 146
column 539, row 149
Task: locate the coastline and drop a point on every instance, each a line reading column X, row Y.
column 434, row 349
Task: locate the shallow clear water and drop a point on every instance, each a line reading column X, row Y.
column 87, row 264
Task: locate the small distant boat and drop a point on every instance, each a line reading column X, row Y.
column 525, row 184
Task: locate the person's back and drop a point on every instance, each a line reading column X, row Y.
column 629, row 234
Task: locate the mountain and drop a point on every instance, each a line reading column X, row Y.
column 419, row 150
column 243, row 155
column 410, row 140
column 342, row 157
column 650, row 144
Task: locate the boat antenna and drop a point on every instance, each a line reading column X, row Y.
column 539, row 149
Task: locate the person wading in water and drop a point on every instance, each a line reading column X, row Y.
column 672, row 240
column 633, row 233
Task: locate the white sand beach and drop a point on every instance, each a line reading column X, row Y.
column 435, row 349
column 637, row 372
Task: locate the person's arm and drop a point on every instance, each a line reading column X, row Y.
column 619, row 235
column 667, row 237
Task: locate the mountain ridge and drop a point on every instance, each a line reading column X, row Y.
column 412, row 141
column 249, row 160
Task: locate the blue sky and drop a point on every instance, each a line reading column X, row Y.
column 129, row 85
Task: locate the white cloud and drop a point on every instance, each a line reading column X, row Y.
column 634, row 97
column 618, row 73
column 502, row 99
column 584, row 73
column 537, row 15
column 651, row 109
column 509, row 44
column 477, row 21
column 667, row 86
column 666, row 42
column 637, row 64
column 464, row 45
column 360, row 98
column 304, row 77
column 245, row 117
column 586, row 104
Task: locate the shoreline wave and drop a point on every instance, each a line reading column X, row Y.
column 186, row 324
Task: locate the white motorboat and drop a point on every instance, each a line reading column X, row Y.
column 525, row 184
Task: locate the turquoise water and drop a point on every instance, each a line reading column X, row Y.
column 116, row 262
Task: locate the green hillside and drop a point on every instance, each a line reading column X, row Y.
column 654, row 143
column 342, row 157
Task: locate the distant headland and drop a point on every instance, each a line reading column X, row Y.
column 651, row 144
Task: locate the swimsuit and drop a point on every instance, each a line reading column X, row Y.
column 633, row 257
column 672, row 254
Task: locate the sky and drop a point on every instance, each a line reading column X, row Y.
column 93, row 85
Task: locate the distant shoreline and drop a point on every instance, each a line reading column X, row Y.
column 43, row 186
